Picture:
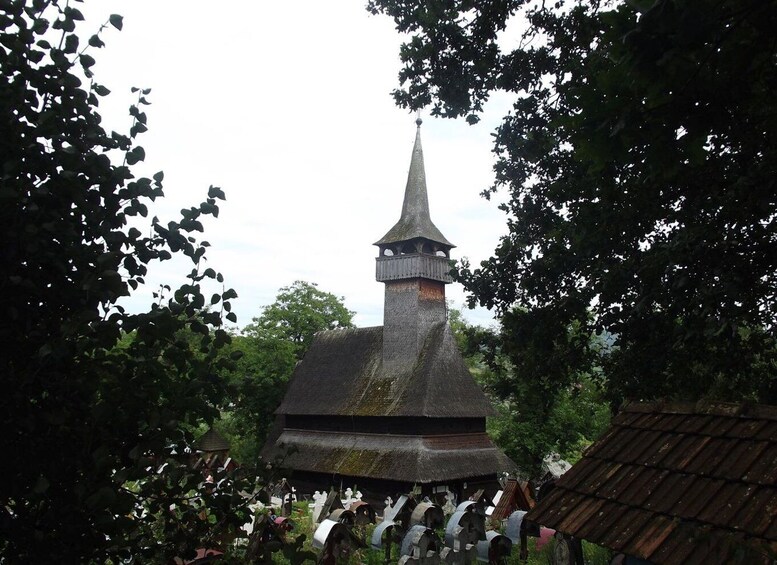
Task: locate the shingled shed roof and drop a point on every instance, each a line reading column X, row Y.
column 676, row 483
column 212, row 441
column 342, row 375
column 515, row 496
column 396, row 457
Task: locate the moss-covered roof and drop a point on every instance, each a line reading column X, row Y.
column 342, row 374
column 414, row 459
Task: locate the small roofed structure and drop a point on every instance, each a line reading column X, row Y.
column 392, row 407
column 675, row 483
column 213, row 452
column 516, row 496
column 213, row 442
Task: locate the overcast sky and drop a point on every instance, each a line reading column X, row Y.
column 287, row 107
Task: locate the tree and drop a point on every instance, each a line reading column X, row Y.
column 550, row 392
column 639, row 162
column 97, row 435
column 271, row 346
column 539, row 410
column 299, row 311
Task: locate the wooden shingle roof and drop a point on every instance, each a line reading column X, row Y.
column 409, row 458
column 212, row 441
column 515, row 496
column 342, row 375
column 676, row 483
column 415, row 221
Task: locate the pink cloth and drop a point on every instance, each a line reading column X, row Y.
column 546, row 534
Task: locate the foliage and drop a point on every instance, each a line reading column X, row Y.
column 299, row 311
column 538, row 413
column 257, row 385
column 577, row 418
column 468, row 339
column 271, row 347
column 97, row 443
column 639, row 161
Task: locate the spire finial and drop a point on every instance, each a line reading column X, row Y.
column 418, row 120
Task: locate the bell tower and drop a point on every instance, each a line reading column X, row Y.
column 414, row 263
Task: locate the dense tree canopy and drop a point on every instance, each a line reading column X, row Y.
column 97, row 434
column 640, row 167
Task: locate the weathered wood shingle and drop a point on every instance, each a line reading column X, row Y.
column 342, row 374
column 676, row 483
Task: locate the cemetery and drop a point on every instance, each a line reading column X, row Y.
column 342, row 528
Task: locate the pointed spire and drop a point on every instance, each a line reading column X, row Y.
column 415, row 220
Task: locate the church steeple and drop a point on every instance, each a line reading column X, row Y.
column 414, row 263
column 415, row 222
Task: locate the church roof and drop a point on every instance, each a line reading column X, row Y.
column 415, row 459
column 342, row 375
column 415, row 221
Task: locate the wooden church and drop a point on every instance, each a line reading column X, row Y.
column 394, row 407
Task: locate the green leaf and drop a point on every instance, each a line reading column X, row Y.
column 95, row 41
column 35, row 56
column 39, row 27
column 86, row 60
column 71, row 44
column 135, row 155
column 100, row 90
column 73, row 14
column 216, row 192
column 116, row 21
column 67, row 25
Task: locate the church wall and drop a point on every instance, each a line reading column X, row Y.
column 388, row 424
